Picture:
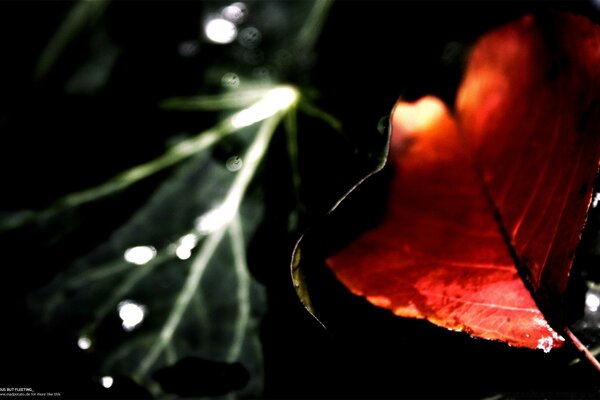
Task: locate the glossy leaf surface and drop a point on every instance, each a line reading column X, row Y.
column 529, row 105
column 508, row 178
column 439, row 254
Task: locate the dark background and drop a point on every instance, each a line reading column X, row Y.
column 368, row 54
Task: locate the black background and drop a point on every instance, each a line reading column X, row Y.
column 368, row 54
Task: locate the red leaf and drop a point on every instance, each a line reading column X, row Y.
column 528, row 126
column 529, row 105
column 439, row 254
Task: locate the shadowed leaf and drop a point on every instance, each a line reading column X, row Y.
column 439, row 253
column 529, row 107
column 173, row 282
column 503, row 187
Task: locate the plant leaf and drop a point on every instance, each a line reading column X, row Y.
column 438, row 254
column 471, row 196
column 189, row 278
column 529, row 106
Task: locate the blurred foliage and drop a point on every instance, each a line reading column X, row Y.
column 121, row 129
column 191, row 295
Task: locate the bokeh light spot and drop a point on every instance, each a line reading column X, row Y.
column 139, row 255
column 107, row 381
column 84, row 343
column 220, row 31
column 131, row 313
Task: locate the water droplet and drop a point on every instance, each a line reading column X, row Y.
column 84, row 343
column 107, row 381
column 185, row 246
column 139, row 255
column 220, row 31
column 131, row 313
column 183, row 253
column 592, row 302
column 234, row 163
column 190, row 240
column 230, row 80
column 236, row 12
column 250, row 37
column 596, row 199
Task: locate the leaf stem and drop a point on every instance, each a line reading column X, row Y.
column 583, row 349
column 232, row 202
column 183, row 300
column 231, row 100
column 314, row 23
column 273, row 101
column 243, row 290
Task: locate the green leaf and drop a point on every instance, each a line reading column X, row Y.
column 178, row 267
column 83, row 14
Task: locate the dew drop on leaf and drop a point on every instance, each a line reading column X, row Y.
column 131, row 313
column 139, row 255
column 234, row 163
column 84, row 343
column 107, row 381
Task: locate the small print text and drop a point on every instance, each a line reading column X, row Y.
column 24, row 392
